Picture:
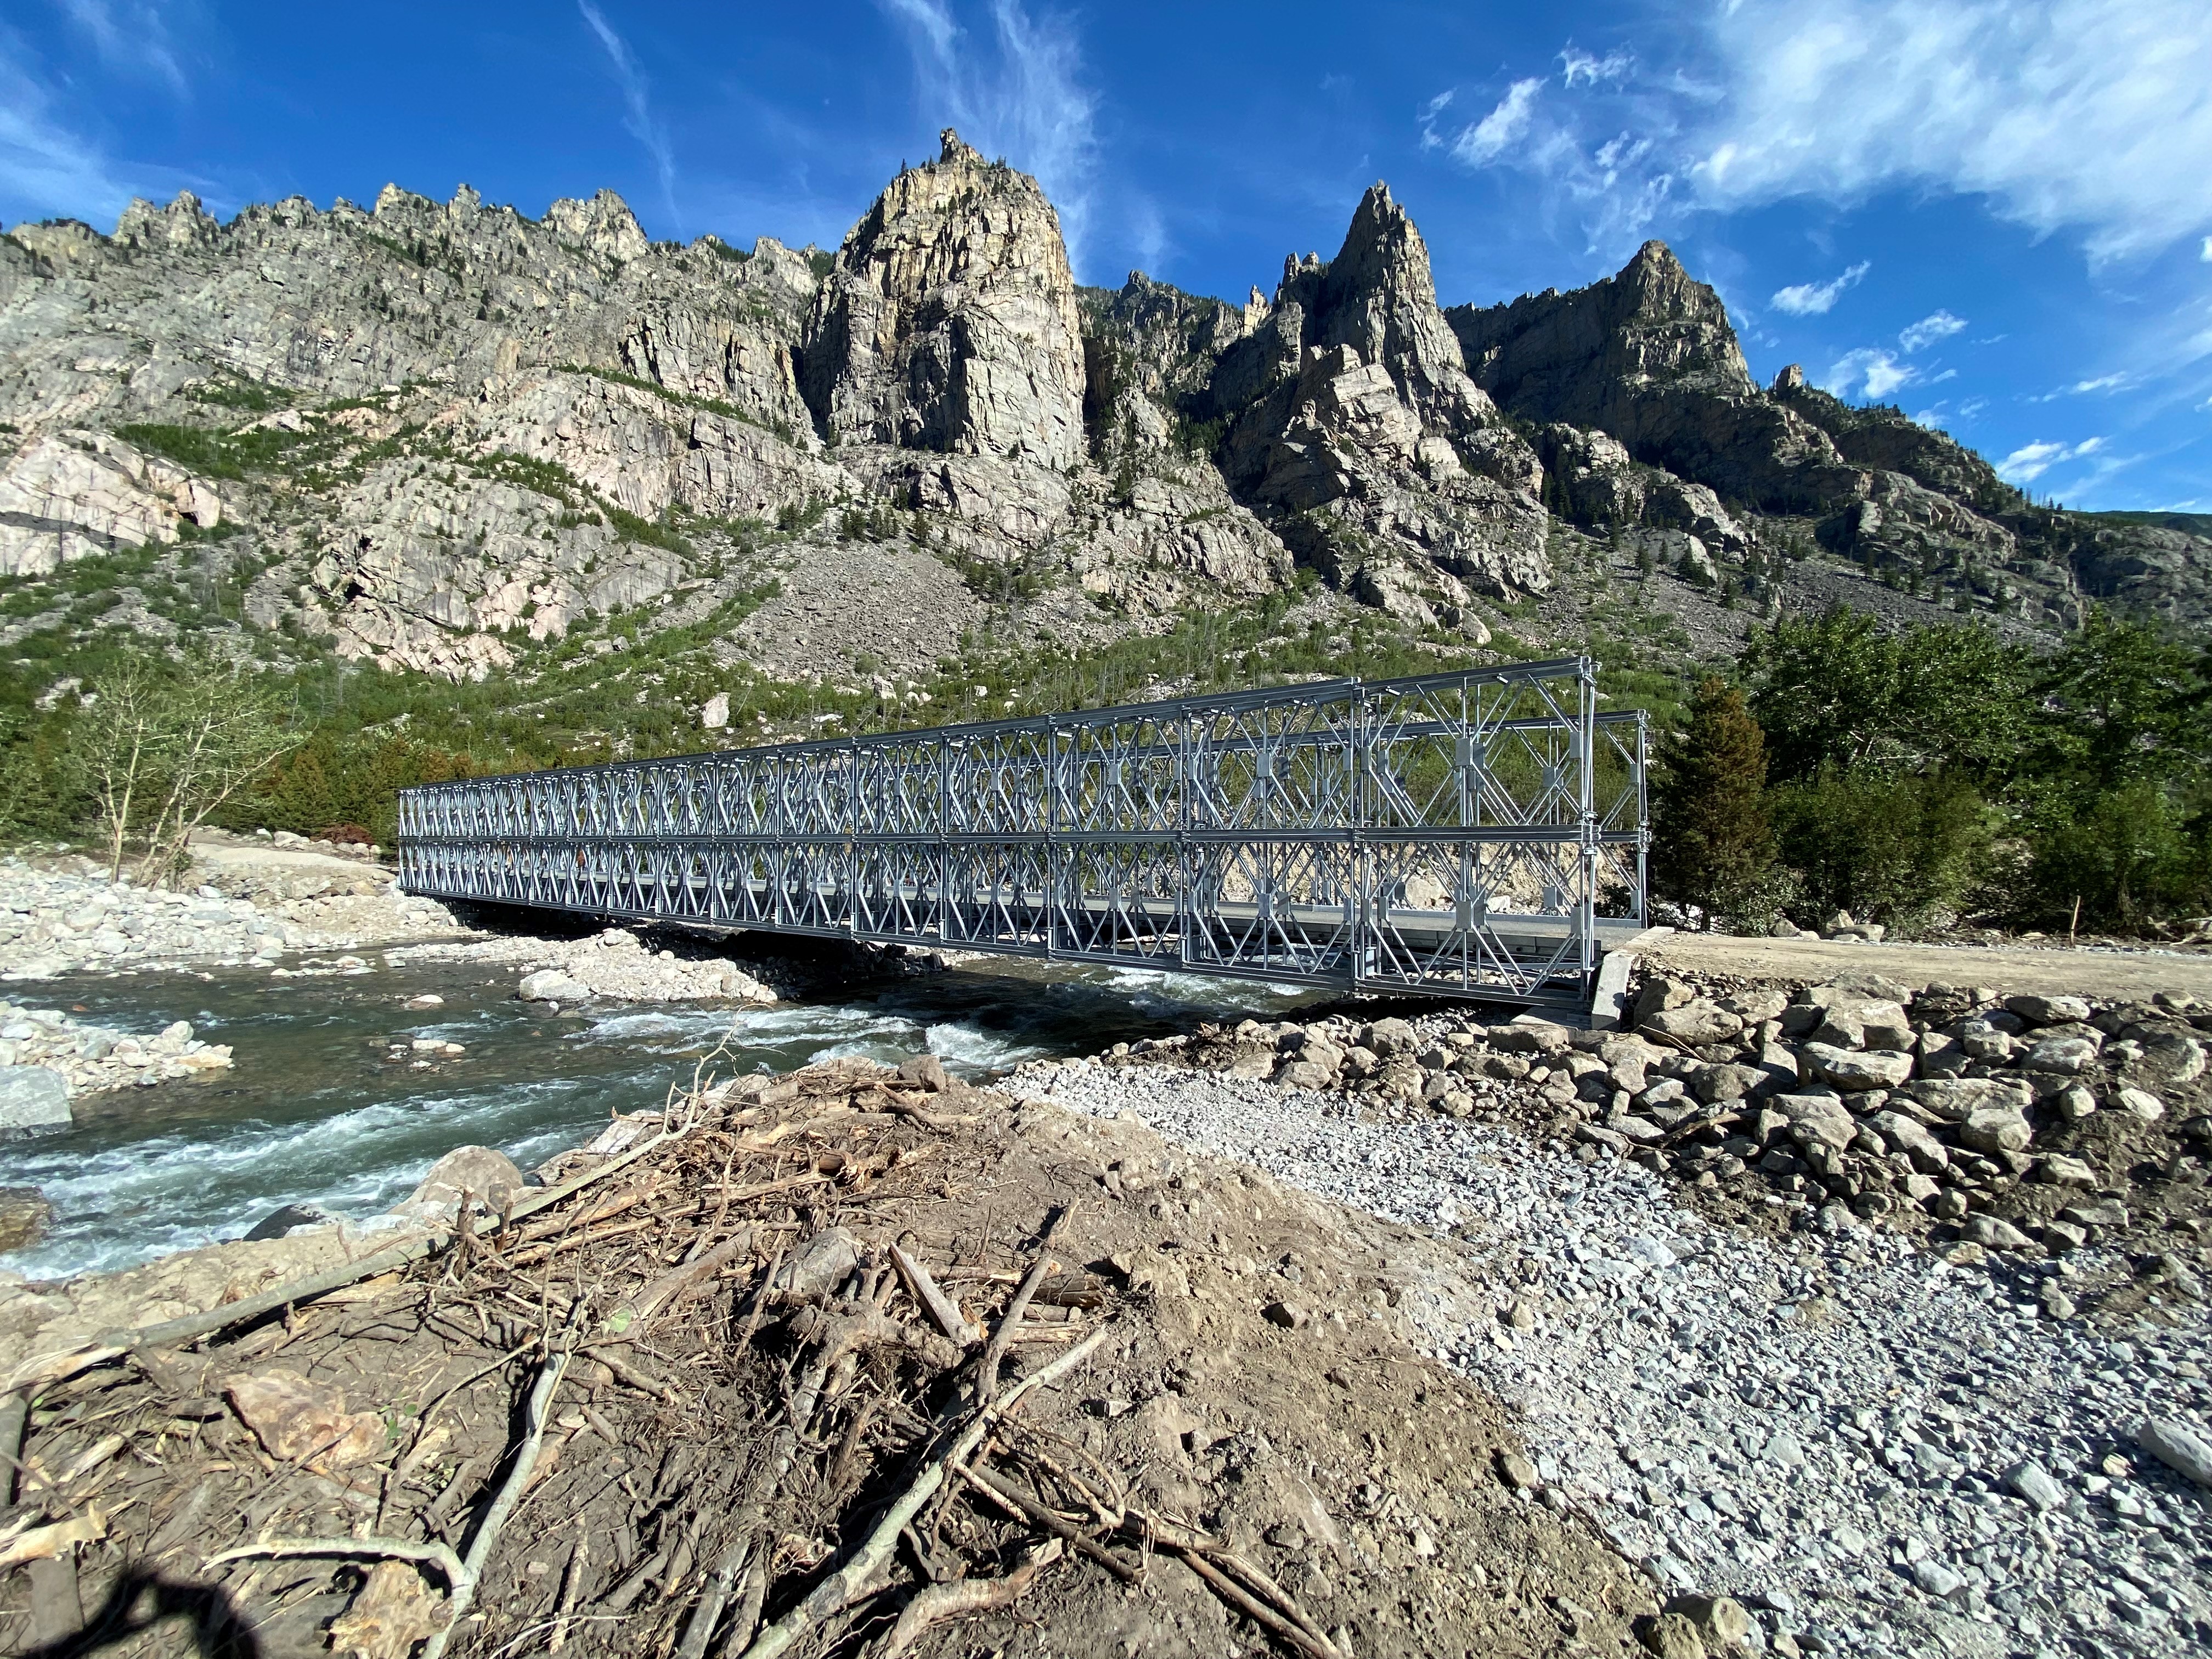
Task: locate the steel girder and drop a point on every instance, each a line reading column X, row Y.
column 1464, row 834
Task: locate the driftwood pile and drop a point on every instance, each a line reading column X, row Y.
column 678, row 1404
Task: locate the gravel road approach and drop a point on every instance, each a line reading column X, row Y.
column 1878, row 1450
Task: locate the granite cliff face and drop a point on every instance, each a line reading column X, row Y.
column 1648, row 416
column 431, row 431
column 948, row 322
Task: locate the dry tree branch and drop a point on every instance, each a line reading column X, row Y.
column 1314, row 1646
column 518, row 1480
column 937, row 1603
column 850, row 1582
column 433, row 1553
column 1036, row 1514
column 986, row 1381
column 939, row 1307
column 732, row 1562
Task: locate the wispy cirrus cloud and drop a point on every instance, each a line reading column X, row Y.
column 1575, row 64
column 1817, row 299
column 638, row 118
column 1874, row 370
column 2088, row 386
column 132, row 37
column 1484, row 140
column 1023, row 95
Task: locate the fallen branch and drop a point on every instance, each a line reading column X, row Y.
column 850, row 1582
column 674, row 1287
column 433, row 1554
column 731, row 1563
column 47, row 1543
column 986, row 1381
column 1281, row 1599
column 518, row 1480
column 1314, row 1647
column 939, row 1306
column 937, row 1603
column 630, row 1377
column 1037, row 1515
column 572, row 1589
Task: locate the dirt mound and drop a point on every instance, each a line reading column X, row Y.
column 840, row 1357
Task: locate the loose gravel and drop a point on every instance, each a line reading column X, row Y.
column 1880, row 1451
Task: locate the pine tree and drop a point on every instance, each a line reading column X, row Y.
column 1712, row 845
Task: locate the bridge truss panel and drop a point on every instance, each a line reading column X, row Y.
column 1474, row 834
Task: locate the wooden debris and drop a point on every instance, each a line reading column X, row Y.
column 933, row 1301
column 940, row 1603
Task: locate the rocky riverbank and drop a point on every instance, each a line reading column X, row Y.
column 47, row 1056
column 1876, row 1449
column 1858, row 1317
column 239, row 905
column 613, row 965
column 2027, row 1124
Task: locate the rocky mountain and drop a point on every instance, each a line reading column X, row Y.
column 433, row 434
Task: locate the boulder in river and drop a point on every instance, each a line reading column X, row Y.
column 33, row 1098
column 551, row 985
column 291, row 1219
column 489, row 1178
column 24, row 1214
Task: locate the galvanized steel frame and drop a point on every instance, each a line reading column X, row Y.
column 1370, row 834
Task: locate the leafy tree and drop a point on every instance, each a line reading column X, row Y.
column 1837, row 692
column 1713, row 847
column 2127, row 855
column 2122, row 702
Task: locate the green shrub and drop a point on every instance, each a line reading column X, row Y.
column 1900, row 850
column 2112, row 858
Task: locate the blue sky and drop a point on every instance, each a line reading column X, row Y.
column 1997, row 215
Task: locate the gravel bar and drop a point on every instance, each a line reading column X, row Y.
column 1880, row 1451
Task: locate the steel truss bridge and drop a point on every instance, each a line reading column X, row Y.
column 1475, row 835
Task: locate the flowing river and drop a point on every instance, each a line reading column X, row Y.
column 316, row 1110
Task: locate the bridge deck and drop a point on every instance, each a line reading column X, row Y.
column 1454, row 835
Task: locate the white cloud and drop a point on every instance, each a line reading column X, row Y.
column 1937, row 325
column 2102, row 383
column 1486, row 140
column 2093, row 115
column 2205, row 253
column 1874, row 369
column 1948, row 374
column 1814, row 299
column 2090, row 117
column 636, row 99
column 1577, row 65
column 1029, row 105
column 2030, row 461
